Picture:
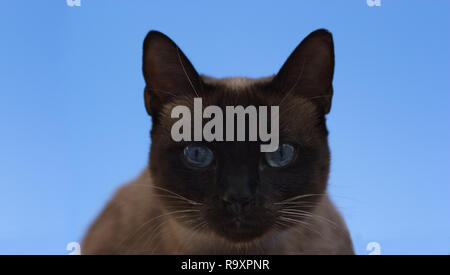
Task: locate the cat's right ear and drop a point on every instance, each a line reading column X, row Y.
column 167, row 72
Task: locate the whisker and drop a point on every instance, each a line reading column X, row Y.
column 153, row 234
column 189, row 238
column 156, row 232
column 144, row 224
column 300, row 213
column 298, row 197
column 178, row 195
column 170, row 192
column 303, row 204
column 304, row 224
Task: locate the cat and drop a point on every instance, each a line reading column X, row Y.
column 223, row 197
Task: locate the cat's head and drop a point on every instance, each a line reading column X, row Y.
column 231, row 188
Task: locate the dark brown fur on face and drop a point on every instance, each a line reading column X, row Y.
column 173, row 208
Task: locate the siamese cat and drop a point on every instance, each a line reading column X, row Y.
column 222, row 197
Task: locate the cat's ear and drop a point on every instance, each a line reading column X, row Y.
column 308, row 72
column 167, row 72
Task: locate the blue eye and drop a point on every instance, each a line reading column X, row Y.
column 198, row 155
column 282, row 156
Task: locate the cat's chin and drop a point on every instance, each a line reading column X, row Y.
column 239, row 232
column 240, row 238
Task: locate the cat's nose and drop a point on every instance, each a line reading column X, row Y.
column 236, row 205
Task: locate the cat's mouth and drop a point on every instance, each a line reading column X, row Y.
column 238, row 229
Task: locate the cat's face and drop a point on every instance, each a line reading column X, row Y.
column 231, row 188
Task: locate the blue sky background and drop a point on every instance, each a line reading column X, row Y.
column 74, row 127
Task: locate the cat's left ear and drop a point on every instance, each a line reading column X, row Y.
column 308, row 72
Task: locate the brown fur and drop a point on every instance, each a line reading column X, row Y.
column 146, row 217
column 119, row 230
